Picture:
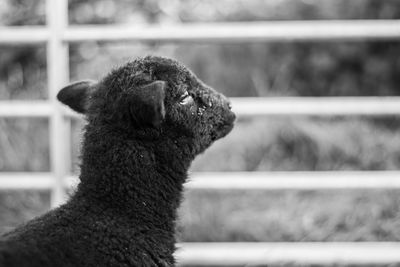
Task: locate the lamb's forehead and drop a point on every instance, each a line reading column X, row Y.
column 159, row 68
column 147, row 69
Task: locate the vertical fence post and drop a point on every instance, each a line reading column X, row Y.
column 58, row 75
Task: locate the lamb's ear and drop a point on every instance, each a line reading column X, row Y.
column 147, row 104
column 76, row 95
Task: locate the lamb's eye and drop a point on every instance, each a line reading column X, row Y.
column 185, row 99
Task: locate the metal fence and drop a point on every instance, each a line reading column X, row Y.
column 57, row 35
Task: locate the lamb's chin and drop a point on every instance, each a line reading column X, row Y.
column 225, row 128
column 222, row 131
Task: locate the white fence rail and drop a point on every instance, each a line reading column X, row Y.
column 295, row 180
column 253, row 254
column 27, row 109
column 317, row 106
column 237, row 180
column 243, row 31
column 26, row 181
column 26, row 35
column 250, row 106
column 214, row 32
column 57, row 35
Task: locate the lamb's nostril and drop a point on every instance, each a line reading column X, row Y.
column 229, row 105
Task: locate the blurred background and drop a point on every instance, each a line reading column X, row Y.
column 276, row 143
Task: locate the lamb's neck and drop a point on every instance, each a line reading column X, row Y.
column 141, row 180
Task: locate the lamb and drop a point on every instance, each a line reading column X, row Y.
column 146, row 122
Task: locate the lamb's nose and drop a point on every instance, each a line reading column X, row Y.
column 229, row 105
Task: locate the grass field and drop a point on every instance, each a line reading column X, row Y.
column 291, row 216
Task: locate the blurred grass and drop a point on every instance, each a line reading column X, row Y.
column 24, row 145
column 173, row 11
column 22, row 12
column 276, row 216
column 23, row 73
column 20, row 206
column 301, row 143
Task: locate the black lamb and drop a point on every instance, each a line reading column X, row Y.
column 146, row 122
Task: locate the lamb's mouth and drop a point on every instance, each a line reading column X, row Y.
column 225, row 128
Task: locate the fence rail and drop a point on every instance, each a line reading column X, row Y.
column 295, row 180
column 238, row 180
column 19, row 108
column 57, row 35
column 214, row 32
column 242, row 31
column 251, row 254
column 318, row 106
column 26, row 181
column 249, row 106
column 26, row 35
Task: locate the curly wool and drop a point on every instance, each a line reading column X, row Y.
column 138, row 144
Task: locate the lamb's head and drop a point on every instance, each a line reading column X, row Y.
column 154, row 98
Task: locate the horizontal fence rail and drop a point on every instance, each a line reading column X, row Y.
column 241, row 32
column 250, row 254
column 240, row 180
column 19, row 108
column 215, row 32
column 295, row 180
column 251, row 106
column 26, row 181
column 319, row 106
column 27, row 35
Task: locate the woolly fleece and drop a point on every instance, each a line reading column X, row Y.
column 146, row 122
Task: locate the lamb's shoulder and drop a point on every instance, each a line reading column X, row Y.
column 51, row 233
column 116, row 241
column 62, row 233
column 127, row 246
